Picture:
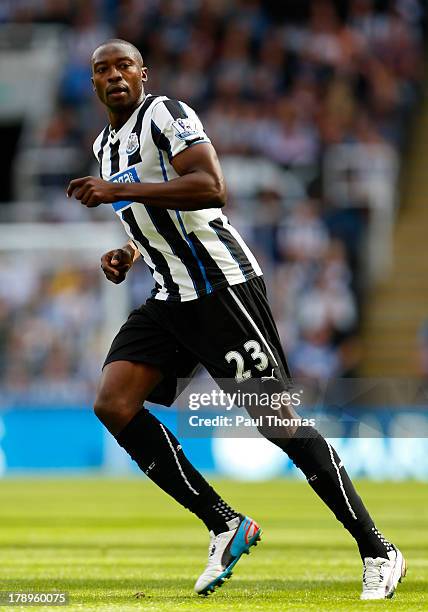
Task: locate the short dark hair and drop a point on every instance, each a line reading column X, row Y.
column 119, row 41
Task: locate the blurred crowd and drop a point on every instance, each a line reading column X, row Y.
column 284, row 86
column 50, row 332
column 280, row 81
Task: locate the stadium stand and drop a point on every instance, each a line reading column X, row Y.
column 315, row 96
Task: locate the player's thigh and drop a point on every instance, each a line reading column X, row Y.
column 124, row 383
column 122, row 390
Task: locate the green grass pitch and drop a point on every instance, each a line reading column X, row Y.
column 104, row 540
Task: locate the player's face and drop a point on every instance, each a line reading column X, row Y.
column 117, row 77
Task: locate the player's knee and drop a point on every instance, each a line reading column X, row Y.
column 101, row 407
column 280, row 427
column 107, row 406
column 276, row 425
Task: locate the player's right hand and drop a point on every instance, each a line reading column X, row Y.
column 115, row 265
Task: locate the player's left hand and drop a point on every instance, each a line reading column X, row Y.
column 92, row 191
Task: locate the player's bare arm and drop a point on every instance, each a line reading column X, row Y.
column 200, row 185
column 116, row 263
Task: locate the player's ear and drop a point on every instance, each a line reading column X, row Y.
column 93, row 84
column 144, row 73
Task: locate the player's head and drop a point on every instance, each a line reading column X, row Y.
column 118, row 73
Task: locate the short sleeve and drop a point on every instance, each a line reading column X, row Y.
column 176, row 126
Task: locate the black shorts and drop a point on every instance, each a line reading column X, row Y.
column 231, row 332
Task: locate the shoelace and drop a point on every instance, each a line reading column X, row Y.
column 373, row 575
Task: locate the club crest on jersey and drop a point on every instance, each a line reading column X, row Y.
column 132, row 144
column 185, row 128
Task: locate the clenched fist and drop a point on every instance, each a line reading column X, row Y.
column 92, row 191
column 115, row 265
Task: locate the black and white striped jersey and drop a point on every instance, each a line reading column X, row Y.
column 189, row 253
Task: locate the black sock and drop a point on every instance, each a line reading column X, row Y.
column 324, row 471
column 158, row 453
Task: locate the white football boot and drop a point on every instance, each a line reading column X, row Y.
column 224, row 552
column 381, row 576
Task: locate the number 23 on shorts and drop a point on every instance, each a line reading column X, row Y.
column 250, row 355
